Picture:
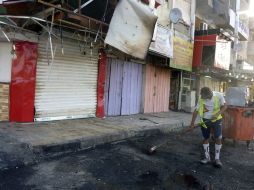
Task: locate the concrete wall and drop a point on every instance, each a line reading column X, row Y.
column 185, row 7
column 163, row 12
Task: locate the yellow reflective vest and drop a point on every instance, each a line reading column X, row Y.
column 216, row 109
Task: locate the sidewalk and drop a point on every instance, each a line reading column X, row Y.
column 26, row 143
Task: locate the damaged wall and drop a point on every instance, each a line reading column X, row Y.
column 163, row 12
column 185, row 25
column 185, row 7
column 183, row 29
column 164, row 9
column 131, row 28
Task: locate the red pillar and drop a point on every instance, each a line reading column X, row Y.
column 22, row 88
column 101, row 83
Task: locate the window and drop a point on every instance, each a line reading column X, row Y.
column 208, row 55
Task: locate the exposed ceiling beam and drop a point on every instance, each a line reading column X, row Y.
column 18, row 1
column 9, row 19
column 71, row 12
column 79, row 5
column 45, row 13
column 37, row 20
column 82, row 6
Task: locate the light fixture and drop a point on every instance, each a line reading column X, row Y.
column 242, row 76
column 229, row 74
column 252, row 80
column 237, row 76
column 207, row 76
column 229, row 80
column 246, row 78
column 13, row 51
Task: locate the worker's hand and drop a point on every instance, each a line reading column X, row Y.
column 215, row 116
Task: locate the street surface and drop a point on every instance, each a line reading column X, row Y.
column 126, row 165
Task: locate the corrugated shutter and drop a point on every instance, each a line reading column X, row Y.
column 114, row 87
column 157, row 88
column 66, row 88
column 132, row 88
column 123, row 88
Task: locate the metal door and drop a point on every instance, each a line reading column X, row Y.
column 123, row 88
column 65, row 88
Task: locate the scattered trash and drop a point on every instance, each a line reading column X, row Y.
column 143, row 118
column 194, row 171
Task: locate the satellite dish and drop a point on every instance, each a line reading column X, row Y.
column 175, row 15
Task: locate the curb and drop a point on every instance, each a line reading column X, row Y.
column 71, row 146
column 30, row 155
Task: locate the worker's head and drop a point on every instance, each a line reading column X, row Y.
column 206, row 93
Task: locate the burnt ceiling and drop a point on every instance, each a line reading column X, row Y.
column 97, row 9
column 94, row 15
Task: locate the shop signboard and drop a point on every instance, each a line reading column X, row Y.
column 242, row 27
column 163, row 42
column 222, row 54
column 183, row 53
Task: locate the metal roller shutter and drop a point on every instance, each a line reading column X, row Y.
column 66, row 88
column 123, row 88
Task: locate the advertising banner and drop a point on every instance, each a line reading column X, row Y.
column 183, row 53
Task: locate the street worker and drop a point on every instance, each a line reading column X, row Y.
column 209, row 108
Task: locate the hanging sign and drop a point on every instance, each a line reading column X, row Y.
column 183, row 53
column 163, row 42
column 222, row 54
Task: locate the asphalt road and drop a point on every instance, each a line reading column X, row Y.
column 126, row 165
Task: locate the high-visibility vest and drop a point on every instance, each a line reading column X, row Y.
column 216, row 109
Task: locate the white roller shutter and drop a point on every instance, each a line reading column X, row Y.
column 66, row 88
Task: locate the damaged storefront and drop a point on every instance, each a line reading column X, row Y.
column 68, row 78
column 156, row 86
column 134, row 87
column 183, row 84
column 52, row 75
column 123, row 87
column 157, row 72
column 66, row 84
column 184, row 81
column 18, row 74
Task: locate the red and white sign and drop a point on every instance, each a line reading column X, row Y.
column 222, row 54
